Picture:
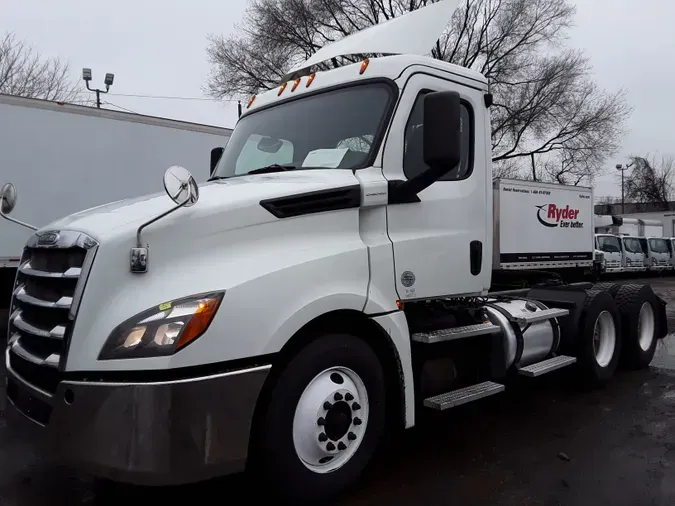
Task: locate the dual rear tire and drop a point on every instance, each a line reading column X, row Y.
column 620, row 326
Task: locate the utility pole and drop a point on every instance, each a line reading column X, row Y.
column 109, row 78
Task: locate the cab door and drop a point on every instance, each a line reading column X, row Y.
column 441, row 244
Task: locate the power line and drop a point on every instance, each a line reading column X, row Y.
column 169, row 97
column 120, row 107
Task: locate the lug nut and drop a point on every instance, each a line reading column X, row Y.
column 323, row 438
column 341, row 446
column 357, row 421
column 337, row 396
column 349, row 397
column 351, row 436
column 330, row 447
column 327, row 405
column 356, row 406
column 321, row 421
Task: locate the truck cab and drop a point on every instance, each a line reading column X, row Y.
column 660, row 253
column 282, row 316
column 610, row 246
column 634, row 257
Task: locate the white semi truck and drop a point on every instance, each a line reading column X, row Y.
column 84, row 157
column 280, row 318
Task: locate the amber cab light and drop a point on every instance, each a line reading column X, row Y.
column 364, row 65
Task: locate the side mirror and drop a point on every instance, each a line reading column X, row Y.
column 216, row 154
column 181, row 186
column 7, row 198
column 442, row 143
column 442, row 131
column 7, row 204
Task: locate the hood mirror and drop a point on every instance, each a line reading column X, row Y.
column 8, row 203
column 7, row 198
column 181, row 186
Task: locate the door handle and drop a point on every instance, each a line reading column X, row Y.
column 476, row 257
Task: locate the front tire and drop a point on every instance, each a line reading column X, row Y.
column 324, row 420
column 600, row 343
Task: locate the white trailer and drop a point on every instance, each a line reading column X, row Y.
column 70, row 158
column 323, row 298
column 542, row 226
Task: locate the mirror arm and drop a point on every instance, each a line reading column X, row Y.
column 139, row 244
column 13, row 220
column 406, row 192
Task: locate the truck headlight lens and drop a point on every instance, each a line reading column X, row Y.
column 162, row 330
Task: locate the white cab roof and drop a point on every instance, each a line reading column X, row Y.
column 390, row 67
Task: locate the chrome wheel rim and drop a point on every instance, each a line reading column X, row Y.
column 604, row 338
column 330, row 419
column 646, row 326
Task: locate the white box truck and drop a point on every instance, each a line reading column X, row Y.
column 280, row 317
column 542, row 226
column 70, row 158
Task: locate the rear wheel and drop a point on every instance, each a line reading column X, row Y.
column 325, row 418
column 606, row 286
column 637, row 305
column 600, row 341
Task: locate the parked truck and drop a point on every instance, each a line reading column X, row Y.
column 542, row 226
column 84, row 157
column 281, row 318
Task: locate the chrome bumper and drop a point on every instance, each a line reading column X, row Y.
column 159, row 433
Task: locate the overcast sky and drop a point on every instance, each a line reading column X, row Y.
column 157, row 47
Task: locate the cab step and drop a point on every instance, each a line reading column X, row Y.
column 550, row 365
column 540, row 316
column 463, row 395
column 442, row 335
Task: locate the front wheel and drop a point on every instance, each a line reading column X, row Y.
column 325, row 418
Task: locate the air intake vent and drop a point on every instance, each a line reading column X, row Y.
column 314, row 202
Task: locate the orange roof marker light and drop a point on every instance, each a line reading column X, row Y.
column 311, row 78
column 282, row 88
column 250, row 102
column 295, row 84
column 364, row 65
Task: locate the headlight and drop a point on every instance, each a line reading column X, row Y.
column 162, row 330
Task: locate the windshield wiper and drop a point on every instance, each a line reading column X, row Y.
column 275, row 167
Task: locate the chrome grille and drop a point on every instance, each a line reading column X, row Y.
column 49, row 284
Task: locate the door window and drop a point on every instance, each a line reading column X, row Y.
column 413, row 156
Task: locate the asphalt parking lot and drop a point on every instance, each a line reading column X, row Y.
column 547, row 442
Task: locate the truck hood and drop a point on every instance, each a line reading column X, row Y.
column 231, row 203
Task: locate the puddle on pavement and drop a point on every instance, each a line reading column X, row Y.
column 665, row 353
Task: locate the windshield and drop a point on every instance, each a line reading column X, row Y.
column 334, row 129
column 658, row 245
column 632, row 245
column 609, row 244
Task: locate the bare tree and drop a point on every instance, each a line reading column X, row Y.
column 650, row 182
column 545, row 102
column 24, row 73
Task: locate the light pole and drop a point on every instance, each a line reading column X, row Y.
column 622, row 169
column 108, row 81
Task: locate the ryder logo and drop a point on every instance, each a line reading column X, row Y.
column 553, row 216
